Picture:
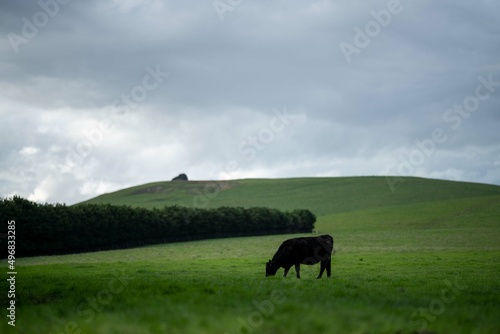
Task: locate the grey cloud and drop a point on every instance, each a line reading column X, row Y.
column 225, row 80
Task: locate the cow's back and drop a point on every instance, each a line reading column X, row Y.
column 316, row 249
column 308, row 250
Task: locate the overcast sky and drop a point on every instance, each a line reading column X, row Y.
column 100, row 95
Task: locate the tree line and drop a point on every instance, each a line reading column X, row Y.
column 46, row 229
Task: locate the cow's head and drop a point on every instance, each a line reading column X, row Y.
column 271, row 268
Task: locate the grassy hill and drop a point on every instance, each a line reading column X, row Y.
column 322, row 196
column 422, row 259
column 429, row 267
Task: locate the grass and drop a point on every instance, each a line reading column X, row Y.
column 424, row 266
column 422, row 259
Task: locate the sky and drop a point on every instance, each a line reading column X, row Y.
column 96, row 96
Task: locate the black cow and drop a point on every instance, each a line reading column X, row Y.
column 310, row 250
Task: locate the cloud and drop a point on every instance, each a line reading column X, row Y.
column 82, row 112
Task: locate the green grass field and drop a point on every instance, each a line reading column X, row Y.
column 426, row 261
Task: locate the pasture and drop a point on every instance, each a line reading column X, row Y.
column 429, row 267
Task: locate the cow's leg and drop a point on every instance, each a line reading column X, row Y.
column 286, row 271
column 297, row 269
column 323, row 266
column 329, row 267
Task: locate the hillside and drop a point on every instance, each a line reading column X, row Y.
column 424, row 259
column 323, row 196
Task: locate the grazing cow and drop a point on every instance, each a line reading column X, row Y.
column 310, row 250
